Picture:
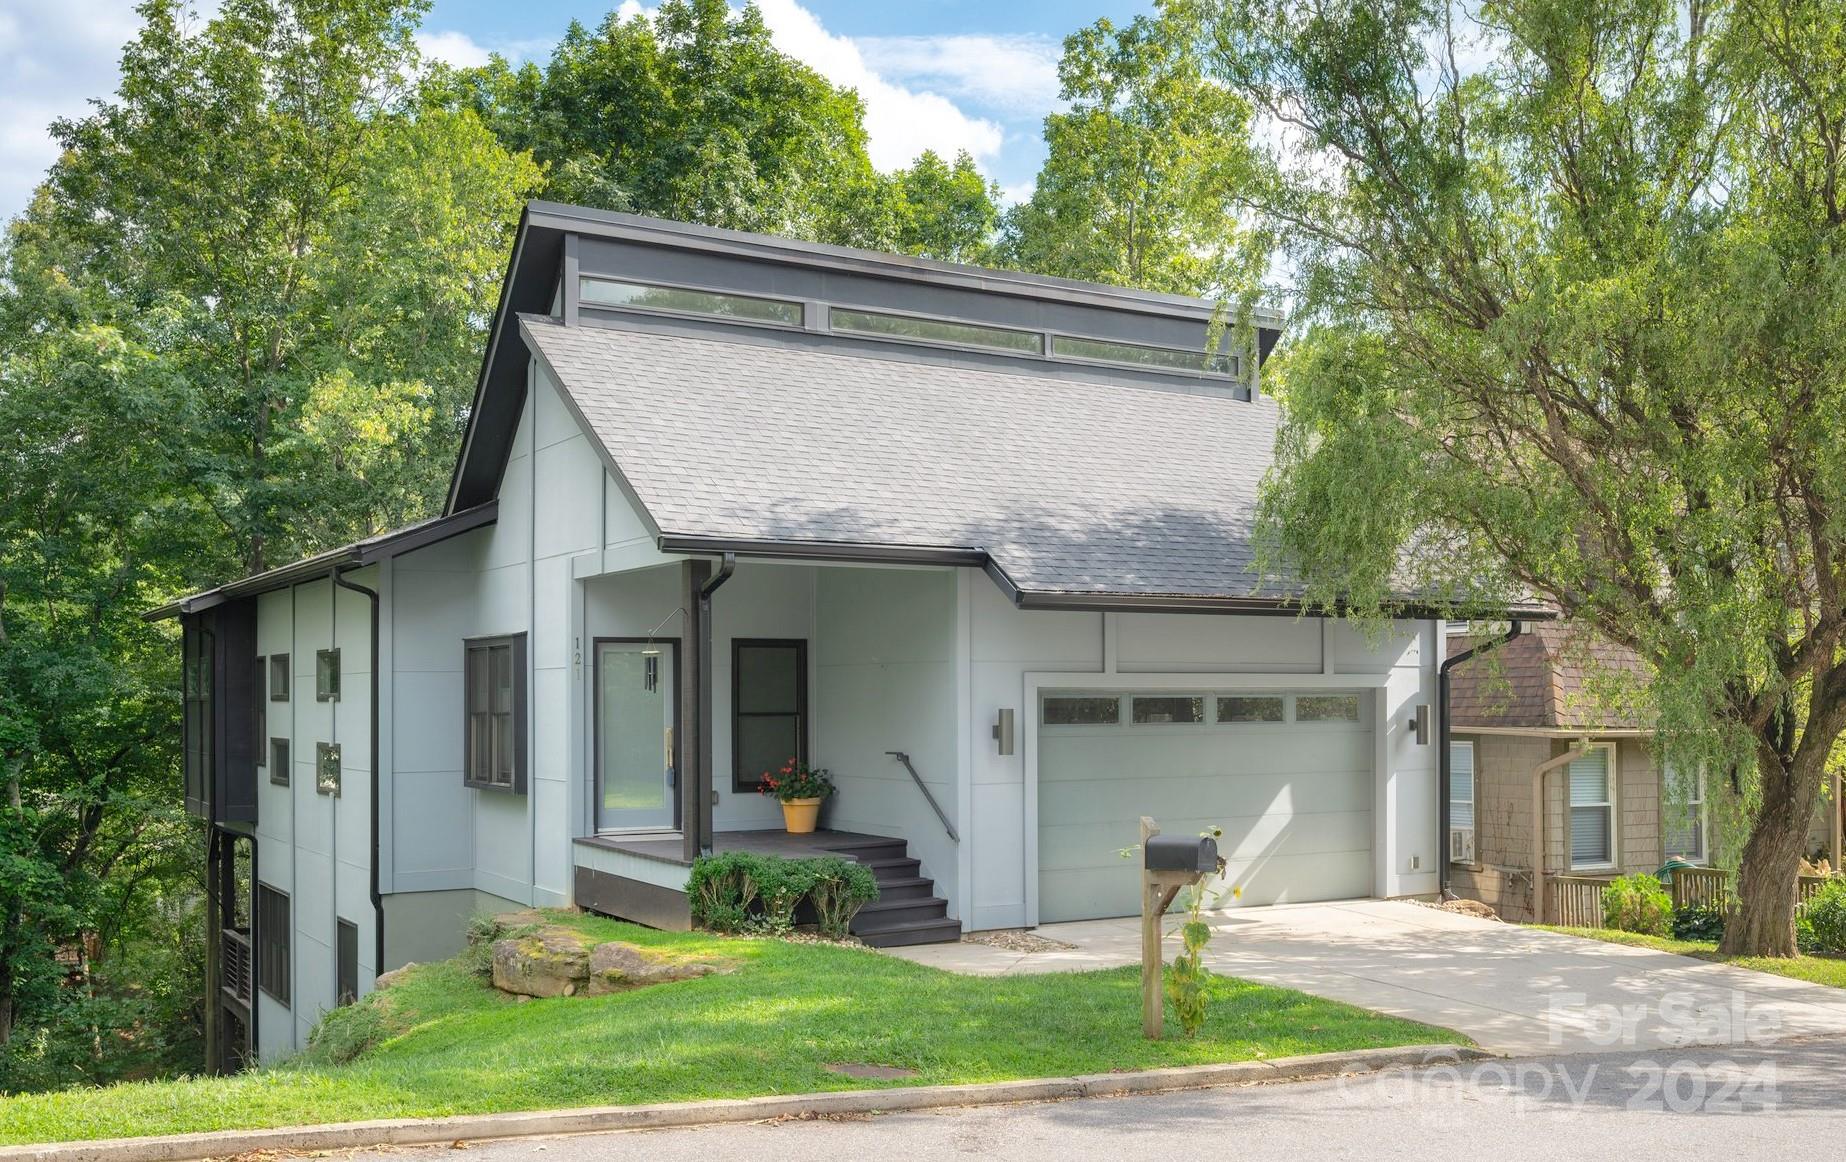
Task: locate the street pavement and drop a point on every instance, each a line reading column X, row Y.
column 1776, row 1102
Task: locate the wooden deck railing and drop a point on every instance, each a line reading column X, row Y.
column 1574, row 901
column 238, row 967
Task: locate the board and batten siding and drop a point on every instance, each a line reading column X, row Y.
column 312, row 846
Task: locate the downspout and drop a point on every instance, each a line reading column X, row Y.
column 1539, row 772
column 1443, row 738
column 726, row 567
column 378, row 903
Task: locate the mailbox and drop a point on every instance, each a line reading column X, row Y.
column 1180, row 853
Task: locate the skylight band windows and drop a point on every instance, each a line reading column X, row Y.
column 940, row 331
column 1136, row 354
column 603, row 292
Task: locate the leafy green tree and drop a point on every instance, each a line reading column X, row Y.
column 946, row 211
column 692, row 113
column 1575, row 322
column 1145, row 168
column 320, row 247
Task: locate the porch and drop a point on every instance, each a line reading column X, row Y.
column 642, row 877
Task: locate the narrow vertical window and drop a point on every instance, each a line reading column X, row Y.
column 1461, row 802
column 1683, row 815
column 347, row 968
column 1592, row 810
column 278, row 761
column 494, row 740
column 769, row 707
column 327, row 675
column 272, row 943
column 278, row 677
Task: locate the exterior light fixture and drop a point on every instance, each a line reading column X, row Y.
column 1418, row 724
column 1003, row 730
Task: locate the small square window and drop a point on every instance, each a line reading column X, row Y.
column 1164, row 709
column 1247, row 708
column 327, row 676
column 1082, row 711
column 278, row 761
column 327, row 768
column 1327, row 708
column 278, row 677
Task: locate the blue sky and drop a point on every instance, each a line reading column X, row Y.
column 944, row 74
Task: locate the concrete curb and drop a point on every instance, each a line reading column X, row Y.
column 484, row 1127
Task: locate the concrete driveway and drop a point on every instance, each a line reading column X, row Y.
column 1513, row 989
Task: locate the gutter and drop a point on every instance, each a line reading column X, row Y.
column 706, row 780
column 1444, row 736
column 378, row 903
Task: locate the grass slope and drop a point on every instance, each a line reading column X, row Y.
column 447, row 1043
column 1827, row 970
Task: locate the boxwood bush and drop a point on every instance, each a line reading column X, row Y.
column 740, row 891
column 1637, row 903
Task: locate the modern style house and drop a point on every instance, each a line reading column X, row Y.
column 977, row 542
column 1552, row 754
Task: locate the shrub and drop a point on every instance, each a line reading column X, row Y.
column 1825, row 915
column 841, row 888
column 1637, row 903
column 1699, row 922
column 721, row 890
column 742, row 892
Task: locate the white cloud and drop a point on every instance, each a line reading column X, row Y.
column 899, row 122
column 1014, row 74
column 453, row 48
column 55, row 55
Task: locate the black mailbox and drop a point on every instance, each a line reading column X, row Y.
column 1179, row 853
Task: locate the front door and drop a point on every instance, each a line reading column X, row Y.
column 635, row 713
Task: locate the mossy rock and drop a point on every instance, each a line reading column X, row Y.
column 619, row 966
column 551, row 962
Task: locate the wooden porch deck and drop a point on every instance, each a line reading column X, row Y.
column 669, row 848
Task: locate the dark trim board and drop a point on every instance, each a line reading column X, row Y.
column 611, row 895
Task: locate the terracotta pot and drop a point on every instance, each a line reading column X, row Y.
column 800, row 815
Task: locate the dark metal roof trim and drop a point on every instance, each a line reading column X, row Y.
column 369, row 551
column 822, row 551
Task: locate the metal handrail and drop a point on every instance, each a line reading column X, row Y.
column 901, row 757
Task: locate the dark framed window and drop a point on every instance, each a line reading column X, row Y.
column 494, row 746
column 769, row 707
column 327, row 768
column 272, row 937
column 278, row 677
column 347, row 962
column 327, row 675
column 278, row 761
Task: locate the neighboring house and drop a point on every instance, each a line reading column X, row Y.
column 1548, row 737
column 975, row 541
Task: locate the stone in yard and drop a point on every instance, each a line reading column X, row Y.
column 1470, row 908
column 552, row 962
column 618, row 966
column 395, row 976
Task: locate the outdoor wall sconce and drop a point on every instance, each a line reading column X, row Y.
column 1003, row 731
column 1418, row 724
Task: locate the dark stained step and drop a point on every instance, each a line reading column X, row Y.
column 903, row 868
column 868, row 850
column 905, row 888
column 882, row 913
column 912, row 932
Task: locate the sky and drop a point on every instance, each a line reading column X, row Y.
column 946, row 75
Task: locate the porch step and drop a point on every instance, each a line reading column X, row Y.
column 905, row 888
column 912, row 932
column 908, row 910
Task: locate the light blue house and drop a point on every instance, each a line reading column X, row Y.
column 978, row 542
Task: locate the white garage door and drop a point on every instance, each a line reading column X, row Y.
column 1288, row 776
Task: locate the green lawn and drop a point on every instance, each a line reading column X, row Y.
column 1827, row 970
column 451, row 1044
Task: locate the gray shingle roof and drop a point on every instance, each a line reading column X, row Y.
column 1068, row 486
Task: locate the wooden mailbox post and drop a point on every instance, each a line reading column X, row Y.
column 1159, row 886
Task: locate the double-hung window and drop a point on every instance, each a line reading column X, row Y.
column 495, row 743
column 1592, row 809
column 1682, row 815
column 1461, row 802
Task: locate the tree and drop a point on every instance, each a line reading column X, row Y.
column 319, row 248
column 1574, row 323
column 692, row 113
column 1145, row 168
column 944, row 211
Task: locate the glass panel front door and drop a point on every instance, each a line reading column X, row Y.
column 634, row 734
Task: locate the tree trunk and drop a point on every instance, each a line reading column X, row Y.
column 1762, row 920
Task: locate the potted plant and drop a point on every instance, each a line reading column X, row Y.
column 801, row 788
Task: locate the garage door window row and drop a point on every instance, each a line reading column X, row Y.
column 1190, row 709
